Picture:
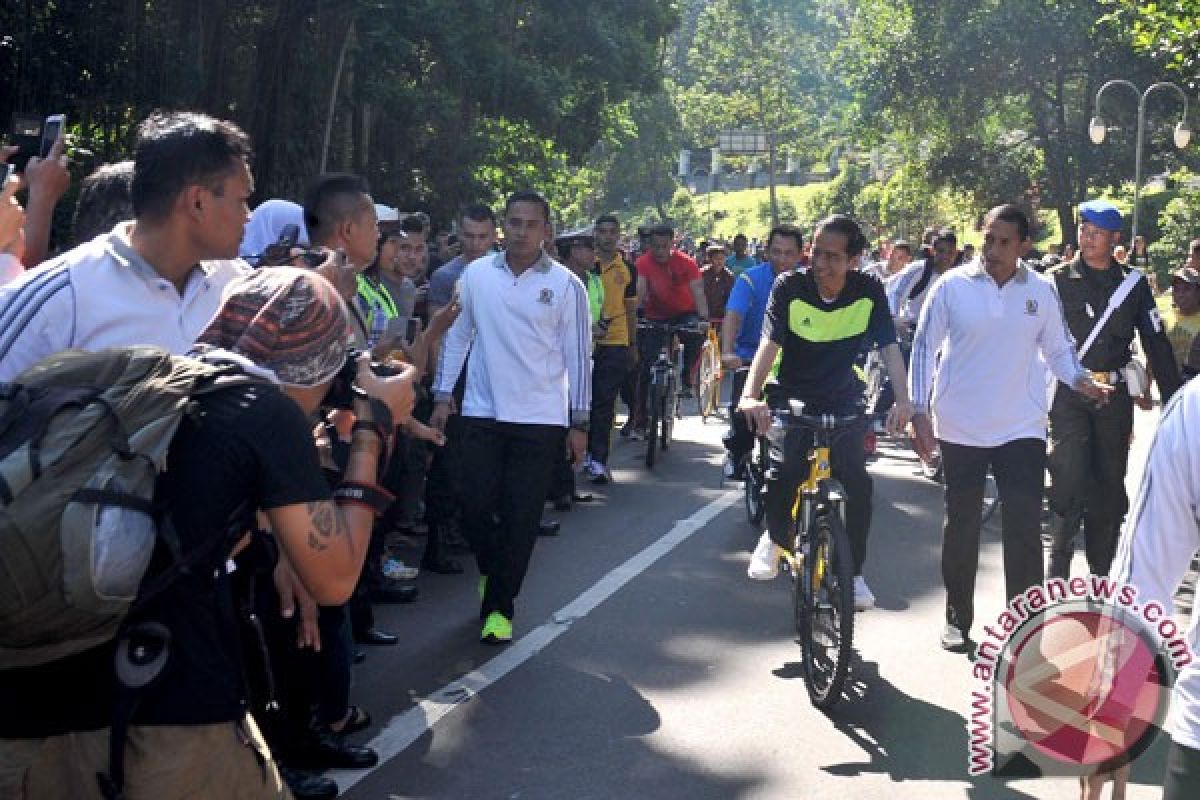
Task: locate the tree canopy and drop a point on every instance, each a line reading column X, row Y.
column 426, row 96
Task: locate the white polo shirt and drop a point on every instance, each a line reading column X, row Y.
column 975, row 355
column 1161, row 534
column 529, row 337
column 103, row 294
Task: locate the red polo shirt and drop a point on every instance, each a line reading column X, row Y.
column 669, row 294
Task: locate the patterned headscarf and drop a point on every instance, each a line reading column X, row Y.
column 286, row 320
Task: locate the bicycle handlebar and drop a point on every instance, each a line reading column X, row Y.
column 688, row 327
column 826, row 422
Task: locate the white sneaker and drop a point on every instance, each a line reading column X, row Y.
column 863, row 598
column 764, row 562
column 728, row 468
column 397, row 570
column 595, row 471
column 953, row 639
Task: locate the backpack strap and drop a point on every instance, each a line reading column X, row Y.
column 144, row 648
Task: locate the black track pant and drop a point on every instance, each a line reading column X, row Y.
column 1019, row 467
column 507, row 468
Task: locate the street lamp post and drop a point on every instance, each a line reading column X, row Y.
column 1098, row 128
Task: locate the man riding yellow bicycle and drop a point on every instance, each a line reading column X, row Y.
column 815, row 326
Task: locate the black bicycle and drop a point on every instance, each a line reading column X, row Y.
column 662, row 391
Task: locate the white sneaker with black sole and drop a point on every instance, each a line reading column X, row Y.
column 864, row 599
column 953, row 639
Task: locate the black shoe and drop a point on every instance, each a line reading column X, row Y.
column 393, row 592
column 582, row 497
column 562, row 503
column 306, row 786
column 376, row 637
column 549, row 527
column 357, row 720
column 442, row 566
column 328, row 750
column 359, row 656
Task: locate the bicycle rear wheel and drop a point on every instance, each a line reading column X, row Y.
column 708, row 382
column 824, row 608
column 654, row 412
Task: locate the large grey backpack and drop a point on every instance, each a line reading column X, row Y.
column 83, row 438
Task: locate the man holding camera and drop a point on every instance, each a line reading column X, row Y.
column 525, row 319
column 245, row 448
column 1089, row 443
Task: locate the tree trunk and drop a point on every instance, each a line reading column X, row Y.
column 333, row 98
column 771, row 177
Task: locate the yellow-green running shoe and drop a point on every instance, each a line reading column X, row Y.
column 497, row 629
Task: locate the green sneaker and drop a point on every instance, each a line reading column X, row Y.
column 497, row 629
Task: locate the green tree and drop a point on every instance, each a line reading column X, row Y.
column 997, row 111
column 1168, row 31
column 424, row 97
column 757, row 64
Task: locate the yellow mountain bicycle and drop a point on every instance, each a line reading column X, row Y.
column 821, row 561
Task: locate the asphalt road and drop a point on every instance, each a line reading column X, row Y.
column 646, row 665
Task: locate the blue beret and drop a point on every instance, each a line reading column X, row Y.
column 1102, row 214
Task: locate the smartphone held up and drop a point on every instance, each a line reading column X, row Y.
column 34, row 136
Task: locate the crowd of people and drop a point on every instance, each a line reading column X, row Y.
column 381, row 359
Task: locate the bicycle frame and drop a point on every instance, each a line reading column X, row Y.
column 818, row 488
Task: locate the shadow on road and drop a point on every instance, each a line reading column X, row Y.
column 896, row 742
column 594, row 746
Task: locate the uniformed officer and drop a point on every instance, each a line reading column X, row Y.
column 1090, row 443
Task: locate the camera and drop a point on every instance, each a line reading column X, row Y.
column 279, row 254
column 343, row 390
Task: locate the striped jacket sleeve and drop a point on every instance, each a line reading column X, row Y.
column 1057, row 345
column 927, row 341
column 37, row 319
column 456, row 345
column 1162, row 531
column 576, row 334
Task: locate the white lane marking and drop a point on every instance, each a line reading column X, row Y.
column 405, row 728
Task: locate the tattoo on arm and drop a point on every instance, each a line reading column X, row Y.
column 326, row 524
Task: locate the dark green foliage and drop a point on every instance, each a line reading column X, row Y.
column 431, row 92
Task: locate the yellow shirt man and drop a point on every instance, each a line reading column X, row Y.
column 620, row 286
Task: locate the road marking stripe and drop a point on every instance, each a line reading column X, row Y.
column 410, row 725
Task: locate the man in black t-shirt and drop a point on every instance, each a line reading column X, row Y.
column 815, row 326
column 240, row 450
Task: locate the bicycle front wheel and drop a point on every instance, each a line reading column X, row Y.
column 824, row 608
column 654, row 411
column 670, row 408
column 708, row 383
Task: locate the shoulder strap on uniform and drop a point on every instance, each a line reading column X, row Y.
column 923, row 281
column 1114, row 300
